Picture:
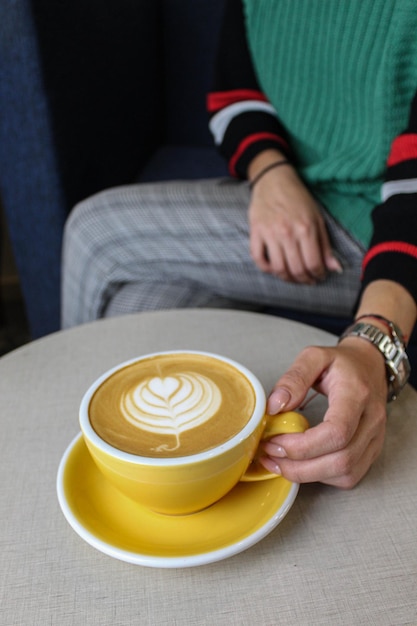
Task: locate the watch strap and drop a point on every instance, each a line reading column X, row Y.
column 392, row 349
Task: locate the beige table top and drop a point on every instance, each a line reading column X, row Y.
column 337, row 557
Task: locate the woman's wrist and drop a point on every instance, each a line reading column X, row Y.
column 389, row 342
column 262, row 161
column 266, row 169
column 385, row 302
column 387, row 325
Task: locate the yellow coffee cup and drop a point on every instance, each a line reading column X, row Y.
column 173, row 392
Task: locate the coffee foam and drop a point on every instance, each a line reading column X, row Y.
column 172, row 405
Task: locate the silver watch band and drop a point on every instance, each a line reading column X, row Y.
column 392, row 349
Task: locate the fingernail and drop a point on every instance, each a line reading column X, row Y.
column 335, row 265
column 270, row 465
column 272, row 449
column 278, row 399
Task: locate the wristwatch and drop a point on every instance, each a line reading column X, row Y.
column 392, row 349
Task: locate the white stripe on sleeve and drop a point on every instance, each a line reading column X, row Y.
column 219, row 122
column 394, row 187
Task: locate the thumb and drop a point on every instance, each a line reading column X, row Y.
column 292, row 388
column 278, row 400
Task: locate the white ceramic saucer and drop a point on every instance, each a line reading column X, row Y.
column 121, row 528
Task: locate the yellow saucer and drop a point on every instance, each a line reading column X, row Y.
column 121, row 528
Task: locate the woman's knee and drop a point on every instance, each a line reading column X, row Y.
column 86, row 213
column 91, row 229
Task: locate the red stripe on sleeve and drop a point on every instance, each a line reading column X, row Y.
column 248, row 141
column 389, row 246
column 221, row 99
column 403, row 147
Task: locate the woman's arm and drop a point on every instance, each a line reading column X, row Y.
column 242, row 121
column 288, row 238
column 392, row 254
column 353, row 375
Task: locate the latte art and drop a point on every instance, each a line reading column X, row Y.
column 171, row 405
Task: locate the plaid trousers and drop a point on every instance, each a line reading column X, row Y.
column 183, row 244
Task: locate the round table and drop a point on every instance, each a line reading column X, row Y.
column 338, row 557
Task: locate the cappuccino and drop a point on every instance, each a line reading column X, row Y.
column 172, row 405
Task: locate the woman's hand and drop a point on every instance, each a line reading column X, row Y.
column 341, row 449
column 288, row 235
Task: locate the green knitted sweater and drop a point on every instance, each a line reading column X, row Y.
column 342, row 101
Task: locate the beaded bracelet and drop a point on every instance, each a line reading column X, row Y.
column 266, row 169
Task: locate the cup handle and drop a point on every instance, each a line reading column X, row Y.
column 283, row 423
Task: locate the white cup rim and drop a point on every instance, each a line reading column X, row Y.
column 91, row 435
